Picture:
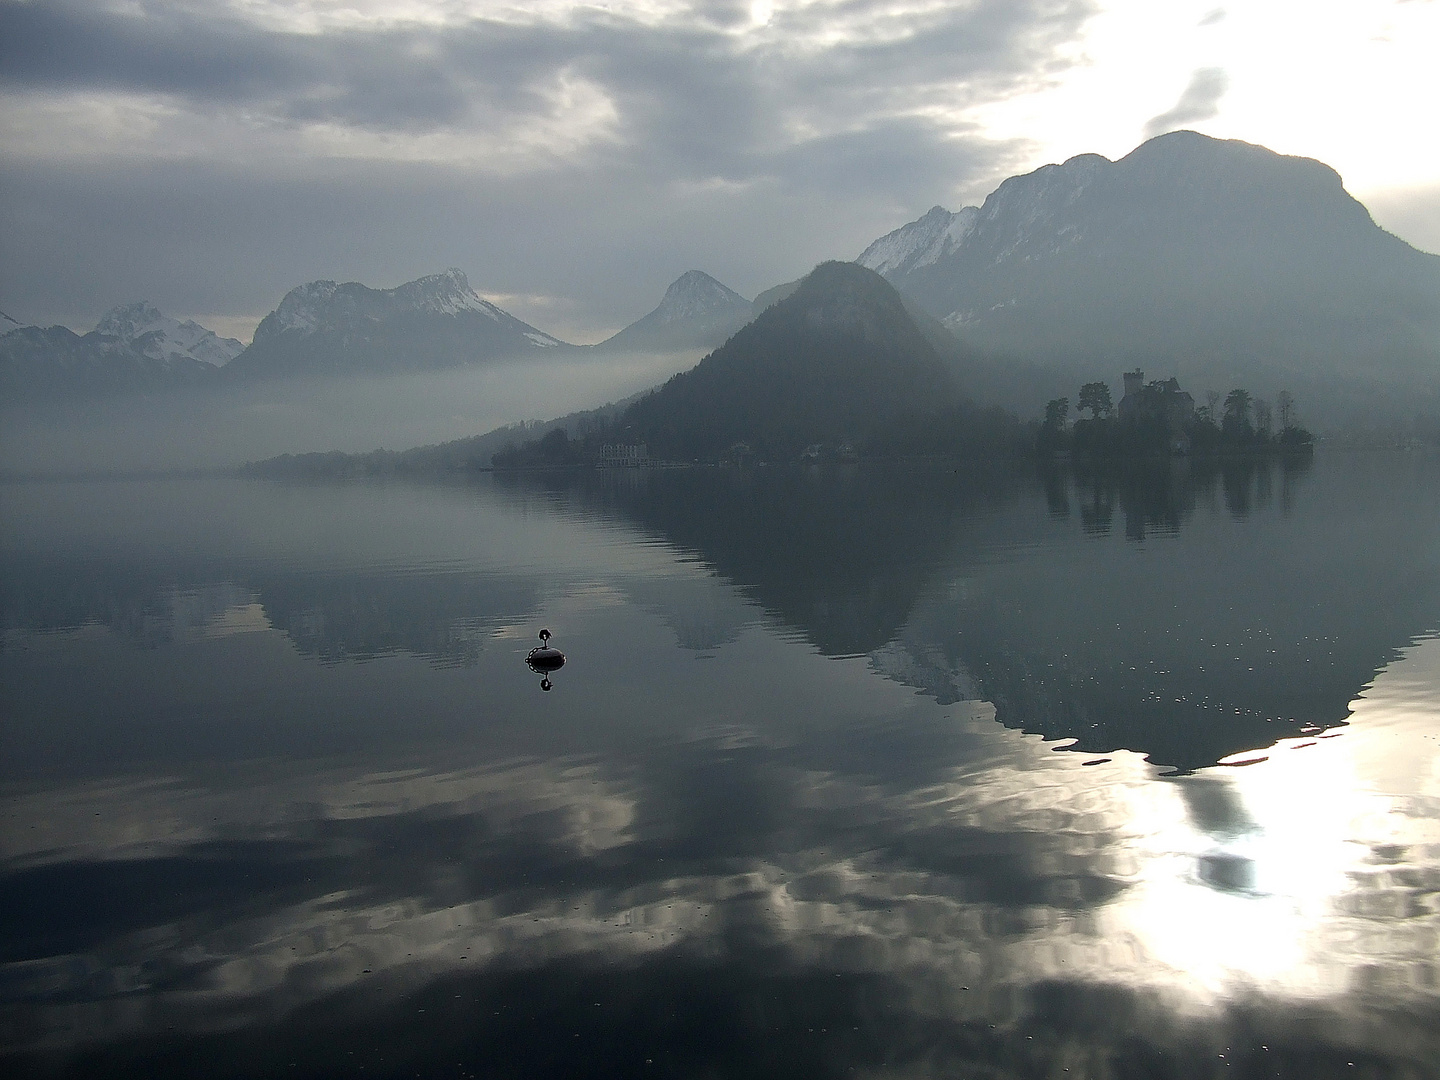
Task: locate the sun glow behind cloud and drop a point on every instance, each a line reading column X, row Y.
column 1350, row 82
column 1345, row 81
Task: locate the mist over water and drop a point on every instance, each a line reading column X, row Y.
column 221, row 427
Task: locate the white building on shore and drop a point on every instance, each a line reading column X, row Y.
column 624, row 455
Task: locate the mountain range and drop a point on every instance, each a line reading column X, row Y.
column 132, row 348
column 1218, row 261
column 144, row 329
column 328, row 329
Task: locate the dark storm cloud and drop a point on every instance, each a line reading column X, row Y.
column 695, row 129
column 1199, row 101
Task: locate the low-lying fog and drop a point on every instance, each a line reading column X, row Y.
column 223, row 427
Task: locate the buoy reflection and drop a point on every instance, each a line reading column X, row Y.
column 543, row 660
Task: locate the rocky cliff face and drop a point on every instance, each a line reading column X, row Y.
column 921, row 243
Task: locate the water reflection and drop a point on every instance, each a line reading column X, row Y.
column 334, row 617
column 1260, row 615
column 1199, row 644
column 1156, row 498
column 781, row 860
column 838, row 554
column 942, row 904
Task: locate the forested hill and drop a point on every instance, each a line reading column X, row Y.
column 839, row 360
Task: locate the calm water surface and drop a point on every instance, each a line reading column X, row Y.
column 849, row 773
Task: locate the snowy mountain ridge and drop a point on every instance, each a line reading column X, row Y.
column 1023, row 210
column 921, row 242
column 326, row 328
column 141, row 327
column 329, row 305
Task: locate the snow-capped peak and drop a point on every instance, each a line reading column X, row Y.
column 1024, row 208
column 142, row 327
column 300, row 308
column 322, row 304
column 921, row 242
column 353, row 308
column 695, row 294
column 442, row 294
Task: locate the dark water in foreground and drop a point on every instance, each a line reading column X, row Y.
column 850, row 773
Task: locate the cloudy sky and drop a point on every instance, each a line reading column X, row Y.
column 573, row 158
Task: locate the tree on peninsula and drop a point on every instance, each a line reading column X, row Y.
column 1095, row 396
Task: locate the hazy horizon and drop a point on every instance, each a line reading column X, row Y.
column 216, row 427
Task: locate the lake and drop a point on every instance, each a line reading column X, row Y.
column 851, row 771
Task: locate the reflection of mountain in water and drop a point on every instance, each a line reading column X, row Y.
column 930, row 890
column 840, row 555
column 1240, row 603
column 444, row 617
column 151, row 606
column 1249, row 614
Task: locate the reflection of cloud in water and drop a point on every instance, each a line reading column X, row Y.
column 980, row 889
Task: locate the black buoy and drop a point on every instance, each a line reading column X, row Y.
column 545, row 659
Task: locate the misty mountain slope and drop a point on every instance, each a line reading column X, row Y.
column 833, row 361
column 938, row 334
column 134, row 349
column 696, row 312
column 39, row 363
column 1211, row 259
column 144, row 329
column 994, row 380
column 773, row 295
column 435, row 322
